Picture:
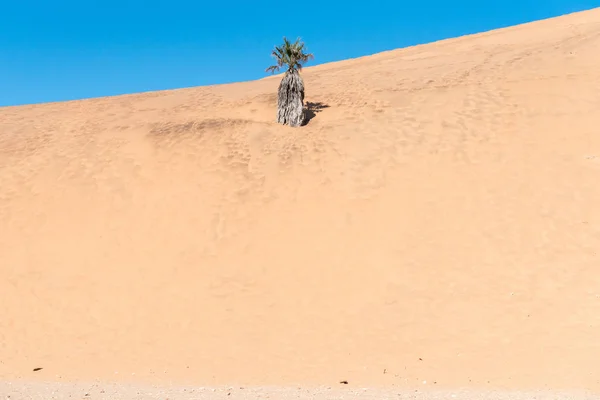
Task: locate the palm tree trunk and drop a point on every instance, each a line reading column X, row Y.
column 290, row 100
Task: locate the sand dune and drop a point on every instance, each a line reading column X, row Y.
column 437, row 220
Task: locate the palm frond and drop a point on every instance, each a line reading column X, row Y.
column 290, row 54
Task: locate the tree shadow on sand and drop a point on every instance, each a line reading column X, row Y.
column 312, row 109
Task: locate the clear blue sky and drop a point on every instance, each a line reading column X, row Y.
column 54, row 50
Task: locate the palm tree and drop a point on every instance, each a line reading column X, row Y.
column 290, row 99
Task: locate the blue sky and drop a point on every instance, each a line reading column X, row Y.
column 54, row 50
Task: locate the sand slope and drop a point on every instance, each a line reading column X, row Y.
column 438, row 219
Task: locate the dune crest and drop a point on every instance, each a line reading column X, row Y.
column 436, row 220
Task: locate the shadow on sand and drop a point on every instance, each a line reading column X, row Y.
column 312, row 109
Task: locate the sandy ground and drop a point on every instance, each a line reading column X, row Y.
column 104, row 391
column 437, row 220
